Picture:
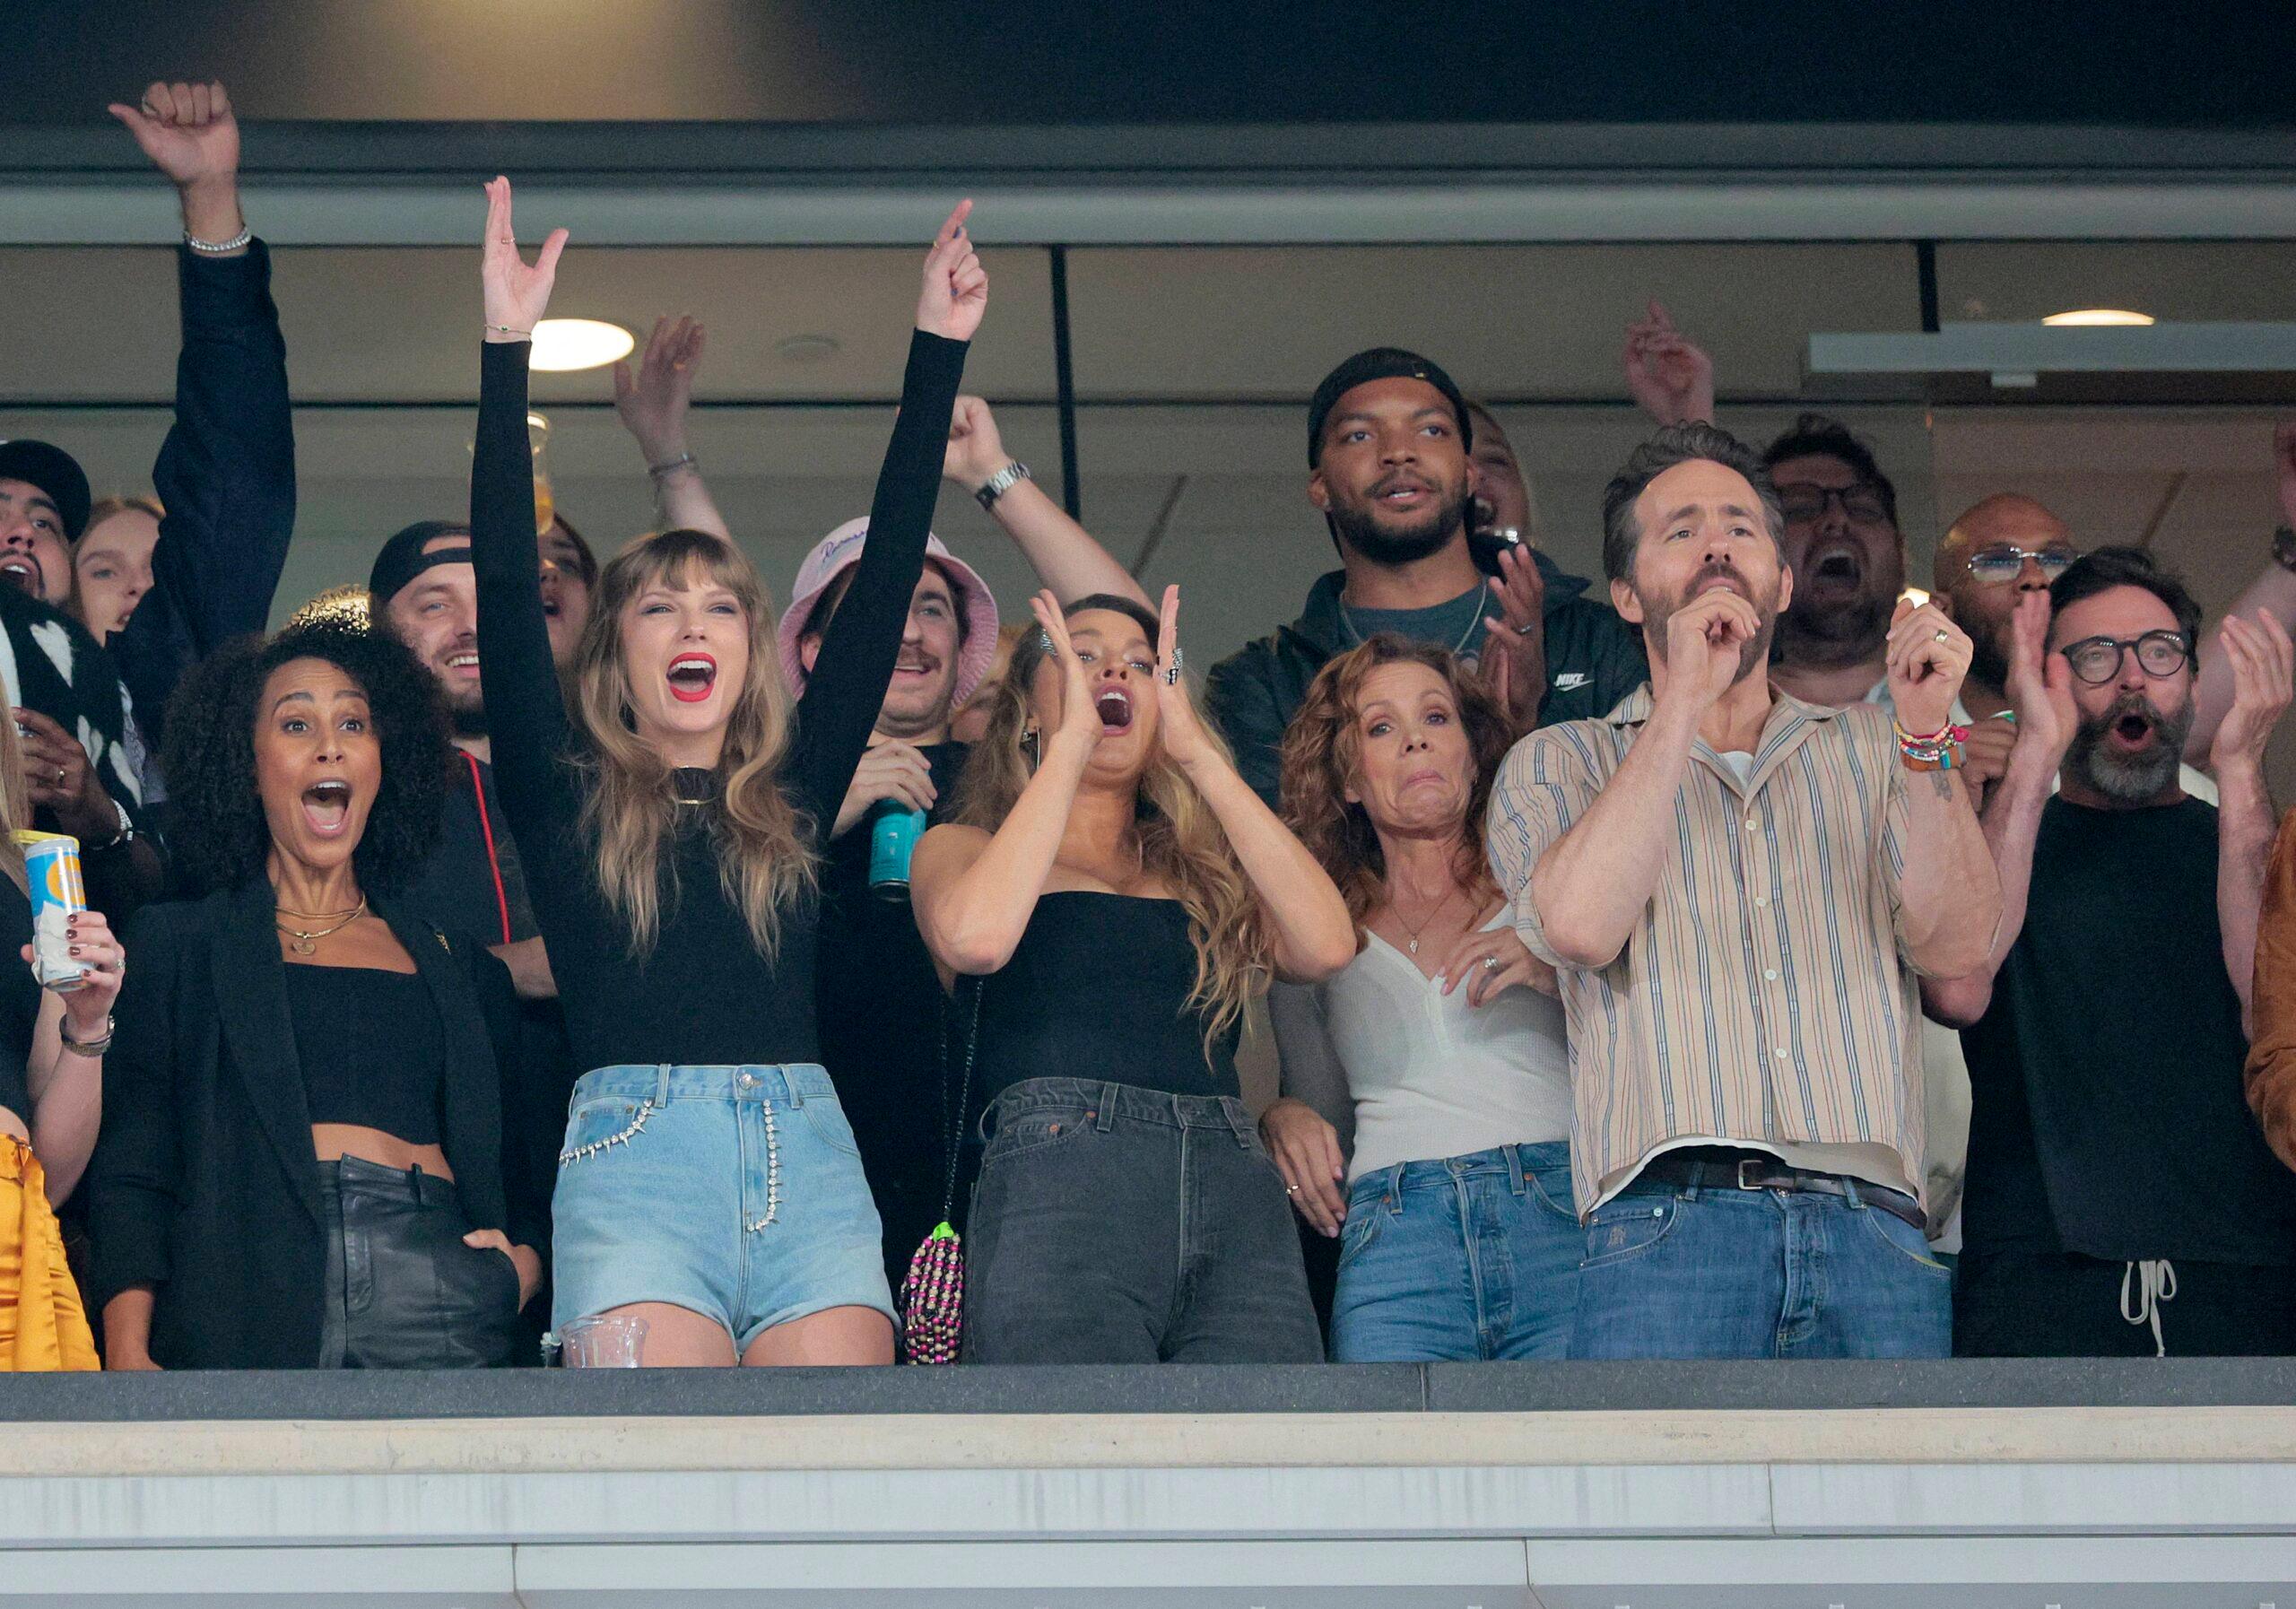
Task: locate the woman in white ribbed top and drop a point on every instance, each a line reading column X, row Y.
column 1443, row 1036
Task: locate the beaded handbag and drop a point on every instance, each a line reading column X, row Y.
column 933, row 1295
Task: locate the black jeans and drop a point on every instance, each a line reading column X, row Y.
column 1113, row 1224
column 2063, row 1305
column 403, row 1291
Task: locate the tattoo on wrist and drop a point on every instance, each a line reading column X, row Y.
column 1943, row 781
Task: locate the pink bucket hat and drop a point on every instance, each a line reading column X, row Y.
column 838, row 551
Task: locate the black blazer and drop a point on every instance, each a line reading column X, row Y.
column 205, row 1184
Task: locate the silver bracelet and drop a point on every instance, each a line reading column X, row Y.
column 671, row 465
column 90, row 1049
column 216, row 249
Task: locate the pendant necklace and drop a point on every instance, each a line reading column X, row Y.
column 1423, row 921
column 305, row 941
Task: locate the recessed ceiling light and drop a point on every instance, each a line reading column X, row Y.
column 2097, row 316
column 566, row 343
column 805, row 349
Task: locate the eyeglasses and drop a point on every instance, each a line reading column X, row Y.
column 2006, row 561
column 2096, row 660
column 1861, row 500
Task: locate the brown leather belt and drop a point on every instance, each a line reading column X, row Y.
column 1713, row 1167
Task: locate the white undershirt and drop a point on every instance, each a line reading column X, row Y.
column 1431, row 1075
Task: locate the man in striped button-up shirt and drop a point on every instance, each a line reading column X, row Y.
column 1737, row 889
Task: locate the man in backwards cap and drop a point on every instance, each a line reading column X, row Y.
column 1388, row 444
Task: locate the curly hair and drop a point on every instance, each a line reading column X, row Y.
column 1322, row 750
column 1180, row 839
column 220, row 837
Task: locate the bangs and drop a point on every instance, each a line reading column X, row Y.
column 682, row 559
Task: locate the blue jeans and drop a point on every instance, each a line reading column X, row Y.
column 1677, row 1271
column 1464, row 1259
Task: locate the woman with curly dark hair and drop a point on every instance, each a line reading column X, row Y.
column 1443, row 1037
column 302, row 1164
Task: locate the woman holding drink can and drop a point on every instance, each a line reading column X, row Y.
column 709, row 1184
column 55, row 1027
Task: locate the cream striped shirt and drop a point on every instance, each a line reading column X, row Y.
column 1764, row 994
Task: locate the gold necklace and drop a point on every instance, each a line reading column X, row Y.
column 305, row 941
column 1424, row 921
column 317, row 915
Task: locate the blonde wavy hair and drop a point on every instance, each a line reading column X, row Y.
column 1323, row 749
column 15, row 806
column 1180, row 840
column 766, row 861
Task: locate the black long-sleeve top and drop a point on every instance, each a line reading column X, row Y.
column 703, row 995
column 225, row 475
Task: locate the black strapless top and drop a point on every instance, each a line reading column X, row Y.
column 1098, row 987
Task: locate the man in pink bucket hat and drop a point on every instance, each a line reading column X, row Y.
column 880, row 1003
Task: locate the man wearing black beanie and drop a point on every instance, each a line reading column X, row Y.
column 1388, row 442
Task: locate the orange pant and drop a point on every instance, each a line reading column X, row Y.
column 43, row 1325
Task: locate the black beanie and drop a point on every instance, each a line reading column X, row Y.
column 56, row 473
column 403, row 559
column 1380, row 363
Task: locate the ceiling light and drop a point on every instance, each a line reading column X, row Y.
column 806, row 349
column 2097, row 316
column 566, row 343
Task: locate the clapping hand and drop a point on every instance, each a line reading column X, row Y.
column 2040, row 687
column 517, row 294
column 1670, row 376
column 1514, row 648
column 956, row 286
column 1080, row 717
column 652, row 404
column 2264, row 668
column 1186, row 742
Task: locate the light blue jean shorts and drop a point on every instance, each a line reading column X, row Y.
column 735, row 1192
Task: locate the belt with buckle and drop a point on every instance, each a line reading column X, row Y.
column 1718, row 1168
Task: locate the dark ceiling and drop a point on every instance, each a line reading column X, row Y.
column 2208, row 66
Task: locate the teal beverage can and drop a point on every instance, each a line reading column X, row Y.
column 892, row 839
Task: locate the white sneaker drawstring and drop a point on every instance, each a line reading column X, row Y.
column 2156, row 1284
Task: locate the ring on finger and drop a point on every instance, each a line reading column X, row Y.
column 1491, row 963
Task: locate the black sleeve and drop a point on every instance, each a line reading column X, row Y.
column 225, row 475
column 848, row 684
column 526, row 1107
column 525, row 710
column 1243, row 704
column 133, row 1178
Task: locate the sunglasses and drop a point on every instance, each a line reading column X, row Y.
column 1862, row 502
column 2097, row 660
column 2006, row 561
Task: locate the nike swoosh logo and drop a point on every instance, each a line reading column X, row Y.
column 1570, row 681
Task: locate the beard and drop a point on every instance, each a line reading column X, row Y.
column 2130, row 779
column 466, row 713
column 1752, row 653
column 1370, row 533
column 1989, row 667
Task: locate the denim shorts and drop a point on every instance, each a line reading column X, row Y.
column 734, row 1192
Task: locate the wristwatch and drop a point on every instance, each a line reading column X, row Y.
column 1002, row 482
column 2283, row 549
column 127, row 830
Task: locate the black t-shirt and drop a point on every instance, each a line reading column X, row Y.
column 2108, row 1116
column 881, row 1010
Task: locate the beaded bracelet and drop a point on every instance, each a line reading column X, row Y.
column 217, row 248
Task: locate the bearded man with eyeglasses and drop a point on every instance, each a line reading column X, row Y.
column 2119, row 1198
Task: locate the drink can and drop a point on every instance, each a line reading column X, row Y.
column 892, row 839
column 52, row 871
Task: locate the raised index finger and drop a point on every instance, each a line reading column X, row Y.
column 953, row 225
column 1168, row 629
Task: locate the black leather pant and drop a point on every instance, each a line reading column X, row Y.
column 403, row 1291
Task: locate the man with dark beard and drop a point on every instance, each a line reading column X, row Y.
column 2120, row 1198
column 1736, row 888
column 1389, row 440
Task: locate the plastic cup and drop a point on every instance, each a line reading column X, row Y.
column 603, row 1342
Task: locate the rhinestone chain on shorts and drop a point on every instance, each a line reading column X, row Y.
column 772, row 1172
column 637, row 1126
